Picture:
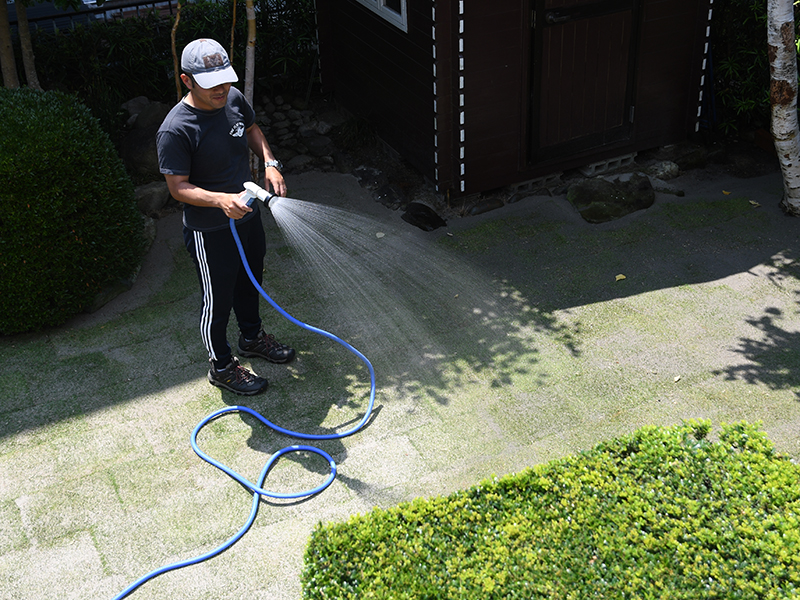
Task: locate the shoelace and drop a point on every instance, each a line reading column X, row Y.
column 270, row 342
column 243, row 375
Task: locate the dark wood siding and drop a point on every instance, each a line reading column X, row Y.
column 668, row 65
column 381, row 73
column 495, row 95
column 485, row 134
column 669, row 70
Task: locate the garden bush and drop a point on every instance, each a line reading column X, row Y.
column 662, row 513
column 107, row 63
column 69, row 225
column 739, row 66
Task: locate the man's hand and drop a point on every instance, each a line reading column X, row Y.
column 234, row 205
column 274, row 178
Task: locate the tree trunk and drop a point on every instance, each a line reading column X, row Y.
column 7, row 63
column 175, row 65
column 783, row 98
column 249, row 72
column 233, row 31
column 28, row 61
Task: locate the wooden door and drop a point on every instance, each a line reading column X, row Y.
column 583, row 75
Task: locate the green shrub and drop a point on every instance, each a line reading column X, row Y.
column 741, row 65
column 663, row 513
column 69, row 225
column 107, row 63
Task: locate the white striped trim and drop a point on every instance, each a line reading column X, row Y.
column 207, row 311
column 703, row 69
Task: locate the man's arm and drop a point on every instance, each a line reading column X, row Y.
column 232, row 205
column 258, row 144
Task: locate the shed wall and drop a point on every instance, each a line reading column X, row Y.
column 382, row 74
column 453, row 95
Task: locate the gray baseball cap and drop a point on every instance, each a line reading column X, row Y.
column 208, row 63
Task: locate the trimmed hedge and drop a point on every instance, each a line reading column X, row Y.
column 663, row 513
column 69, row 225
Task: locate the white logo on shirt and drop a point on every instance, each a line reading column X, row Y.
column 237, row 130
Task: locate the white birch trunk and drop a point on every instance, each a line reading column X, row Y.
column 783, row 98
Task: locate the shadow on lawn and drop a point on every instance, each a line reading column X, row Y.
column 773, row 359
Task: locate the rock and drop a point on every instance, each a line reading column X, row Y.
column 486, row 205
column 299, row 161
column 152, row 115
column 389, row 196
column 135, row 105
column 370, row 178
column 422, row 216
column 599, row 200
column 319, row 145
column 307, row 129
column 153, row 199
column 138, row 153
column 664, row 170
column 138, row 147
column 666, row 188
column 323, row 128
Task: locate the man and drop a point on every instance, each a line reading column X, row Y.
column 203, row 153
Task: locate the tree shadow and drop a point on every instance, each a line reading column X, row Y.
column 773, row 358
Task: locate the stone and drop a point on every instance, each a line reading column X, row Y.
column 299, row 161
column 599, row 200
column 135, row 105
column 422, row 216
column 152, row 198
column 308, row 129
column 138, row 153
column 319, row 145
column 485, row 205
column 389, row 196
column 664, row 170
column 370, row 178
column 152, row 115
column 138, row 147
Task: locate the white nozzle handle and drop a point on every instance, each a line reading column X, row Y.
column 254, row 191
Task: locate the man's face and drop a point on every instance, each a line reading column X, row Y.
column 207, row 99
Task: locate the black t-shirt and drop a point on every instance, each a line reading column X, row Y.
column 210, row 147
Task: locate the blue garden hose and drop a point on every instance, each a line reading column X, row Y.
column 257, row 489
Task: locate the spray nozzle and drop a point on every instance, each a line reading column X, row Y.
column 253, row 191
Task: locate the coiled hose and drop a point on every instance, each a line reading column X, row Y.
column 256, row 488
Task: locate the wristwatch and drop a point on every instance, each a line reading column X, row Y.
column 273, row 163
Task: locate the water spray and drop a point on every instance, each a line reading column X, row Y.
column 253, row 192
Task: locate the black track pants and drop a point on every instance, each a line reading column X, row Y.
column 225, row 284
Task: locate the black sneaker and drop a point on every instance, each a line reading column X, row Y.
column 237, row 379
column 267, row 347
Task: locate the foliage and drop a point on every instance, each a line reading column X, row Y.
column 69, row 226
column 107, row 63
column 741, row 65
column 663, row 513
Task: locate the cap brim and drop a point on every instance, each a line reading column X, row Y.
column 215, row 78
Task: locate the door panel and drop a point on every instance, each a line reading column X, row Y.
column 583, row 75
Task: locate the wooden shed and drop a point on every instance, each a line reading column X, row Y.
column 481, row 94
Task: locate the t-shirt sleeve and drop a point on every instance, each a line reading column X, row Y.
column 174, row 154
column 247, row 111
